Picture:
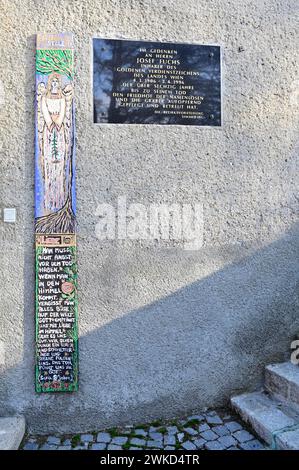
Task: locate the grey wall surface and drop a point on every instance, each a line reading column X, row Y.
column 163, row 330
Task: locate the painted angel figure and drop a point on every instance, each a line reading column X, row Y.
column 54, row 129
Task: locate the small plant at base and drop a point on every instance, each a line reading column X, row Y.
column 76, row 440
column 113, row 432
column 173, row 422
column 192, row 423
column 126, row 446
column 156, row 423
column 135, row 434
column 162, row 430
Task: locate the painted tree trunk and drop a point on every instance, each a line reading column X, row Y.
column 55, row 212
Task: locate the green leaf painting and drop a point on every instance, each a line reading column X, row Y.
column 59, row 61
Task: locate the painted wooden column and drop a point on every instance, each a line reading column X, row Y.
column 55, row 216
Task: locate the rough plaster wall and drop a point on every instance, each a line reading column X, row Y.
column 162, row 330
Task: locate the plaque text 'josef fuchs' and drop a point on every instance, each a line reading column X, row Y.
column 137, row 82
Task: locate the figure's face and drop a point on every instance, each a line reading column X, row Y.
column 54, row 86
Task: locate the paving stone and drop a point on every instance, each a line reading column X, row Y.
column 195, row 417
column 53, row 440
column 31, row 446
column 209, row 435
column 214, row 445
column 103, row 437
column 155, row 444
column 99, row 446
column 156, row 436
column 181, row 422
column 86, row 437
column 210, row 413
column 216, row 433
column 67, row 442
column 48, row 447
column 141, row 432
column 136, row 441
column 172, row 429
column 188, row 445
column 243, row 436
column 226, row 417
column 153, row 429
column 221, row 430
column 191, row 431
column 169, row 440
column 127, row 430
column 233, row 426
column 199, row 443
column 120, row 440
column 203, row 427
column 227, row 441
column 215, row 419
column 252, row 445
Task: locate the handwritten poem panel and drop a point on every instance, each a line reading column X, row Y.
column 56, row 311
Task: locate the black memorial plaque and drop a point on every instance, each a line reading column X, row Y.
column 137, row 82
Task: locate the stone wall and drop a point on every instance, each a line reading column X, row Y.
column 163, row 330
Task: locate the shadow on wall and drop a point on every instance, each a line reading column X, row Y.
column 192, row 349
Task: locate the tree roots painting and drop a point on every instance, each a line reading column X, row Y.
column 62, row 221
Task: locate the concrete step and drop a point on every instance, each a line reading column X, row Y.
column 274, row 421
column 12, row 431
column 282, row 380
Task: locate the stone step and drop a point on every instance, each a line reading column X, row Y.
column 274, row 421
column 12, row 431
column 282, row 380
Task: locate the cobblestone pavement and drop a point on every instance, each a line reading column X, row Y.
column 205, row 431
